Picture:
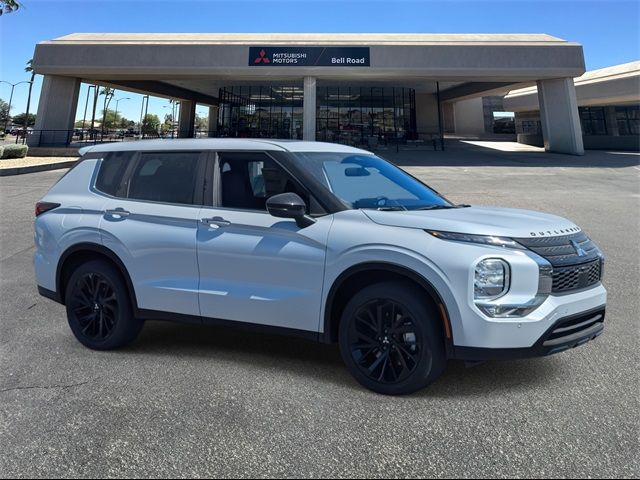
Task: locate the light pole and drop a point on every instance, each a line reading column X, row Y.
column 84, row 116
column 143, row 114
column 116, row 115
column 172, row 105
column 13, row 85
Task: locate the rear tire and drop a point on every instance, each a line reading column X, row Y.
column 99, row 308
column 391, row 340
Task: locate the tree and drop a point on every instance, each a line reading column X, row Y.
column 111, row 120
column 21, row 119
column 29, row 69
column 167, row 126
column 8, row 6
column 202, row 123
column 108, row 95
column 4, row 112
column 151, row 124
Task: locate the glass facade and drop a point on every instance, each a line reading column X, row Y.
column 365, row 115
column 260, row 112
column 628, row 119
column 592, row 120
column 348, row 115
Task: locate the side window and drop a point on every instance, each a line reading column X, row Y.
column 165, row 177
column 110, row 176
column 249, row 179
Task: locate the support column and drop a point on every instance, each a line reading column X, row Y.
column 56, row 112
column 559, row 116
column 309, row 109
column 187, row 119
column 213, row 121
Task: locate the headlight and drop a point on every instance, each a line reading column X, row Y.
column 505, row 310
column 504, row 242
column 491, row 279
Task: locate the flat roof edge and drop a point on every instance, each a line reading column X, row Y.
column 306, row 38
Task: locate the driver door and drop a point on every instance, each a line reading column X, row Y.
column 256, row 268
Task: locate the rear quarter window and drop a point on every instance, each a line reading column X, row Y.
column 111, row 173
column 166, row 177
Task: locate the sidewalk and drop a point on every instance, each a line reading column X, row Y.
column 17, row 166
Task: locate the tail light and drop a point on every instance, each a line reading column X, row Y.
column 42, row 207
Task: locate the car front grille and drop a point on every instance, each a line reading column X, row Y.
column 576, row 277
column 577, row 261
column 561, row 250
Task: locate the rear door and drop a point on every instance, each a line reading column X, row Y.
column 256, row 268
column 150, row 221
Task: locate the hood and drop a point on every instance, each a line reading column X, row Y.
column 503, row 222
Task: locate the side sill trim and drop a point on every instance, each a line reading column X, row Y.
column 145, row 314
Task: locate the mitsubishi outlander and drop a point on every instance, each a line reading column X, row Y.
column 323, row 241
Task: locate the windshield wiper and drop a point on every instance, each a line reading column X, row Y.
column 443, row 207
column 390, row 208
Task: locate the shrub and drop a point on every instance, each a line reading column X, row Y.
column 14, row 151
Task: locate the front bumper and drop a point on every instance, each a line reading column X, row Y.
column 566, row 333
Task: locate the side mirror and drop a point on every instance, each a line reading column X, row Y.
column 289, row 205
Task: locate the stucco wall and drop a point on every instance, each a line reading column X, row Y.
column 426, row 113
column 469, row 117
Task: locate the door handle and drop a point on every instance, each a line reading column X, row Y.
column 118, row 212
column 215, row 222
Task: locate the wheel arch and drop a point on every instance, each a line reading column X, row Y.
column 82, row 252
column 363, row 274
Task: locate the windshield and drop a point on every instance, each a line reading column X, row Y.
column 367, row 181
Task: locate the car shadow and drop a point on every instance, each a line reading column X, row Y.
column 306, row 358
column 493, row 378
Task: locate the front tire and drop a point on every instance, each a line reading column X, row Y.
column 390, row 339
column 99, row 308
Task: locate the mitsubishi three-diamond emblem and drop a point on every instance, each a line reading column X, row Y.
column 262, row 58
column 579, row 250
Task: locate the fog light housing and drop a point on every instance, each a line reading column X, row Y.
column 491, row 280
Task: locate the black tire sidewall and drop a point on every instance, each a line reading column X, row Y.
column 432, row 359
column 127, row 326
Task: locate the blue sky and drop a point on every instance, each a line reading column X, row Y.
column 608, row 29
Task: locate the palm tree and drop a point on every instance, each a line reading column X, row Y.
column 108, row 95
column 29, row 69
column 8, row 6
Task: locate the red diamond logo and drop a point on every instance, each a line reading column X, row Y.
column 262, row 58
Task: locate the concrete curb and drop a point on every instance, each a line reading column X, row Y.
column 5, row 172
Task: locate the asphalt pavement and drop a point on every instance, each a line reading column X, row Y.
column 187, row 401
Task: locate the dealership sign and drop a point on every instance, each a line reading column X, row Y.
column 309, row 56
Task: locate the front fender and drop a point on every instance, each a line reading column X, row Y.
column 350, row 249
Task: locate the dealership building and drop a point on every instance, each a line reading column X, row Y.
column 608, row 107
column 347, row 88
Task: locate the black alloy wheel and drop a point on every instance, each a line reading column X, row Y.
column 94, row 306
column 391, row 338
column 99, row 308
column 383, row 341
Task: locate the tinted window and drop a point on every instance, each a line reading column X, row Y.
column 249, row 179
column 165, row 177
column 111, row 171
column 366, row 181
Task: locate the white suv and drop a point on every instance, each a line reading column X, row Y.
column 313, row 239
